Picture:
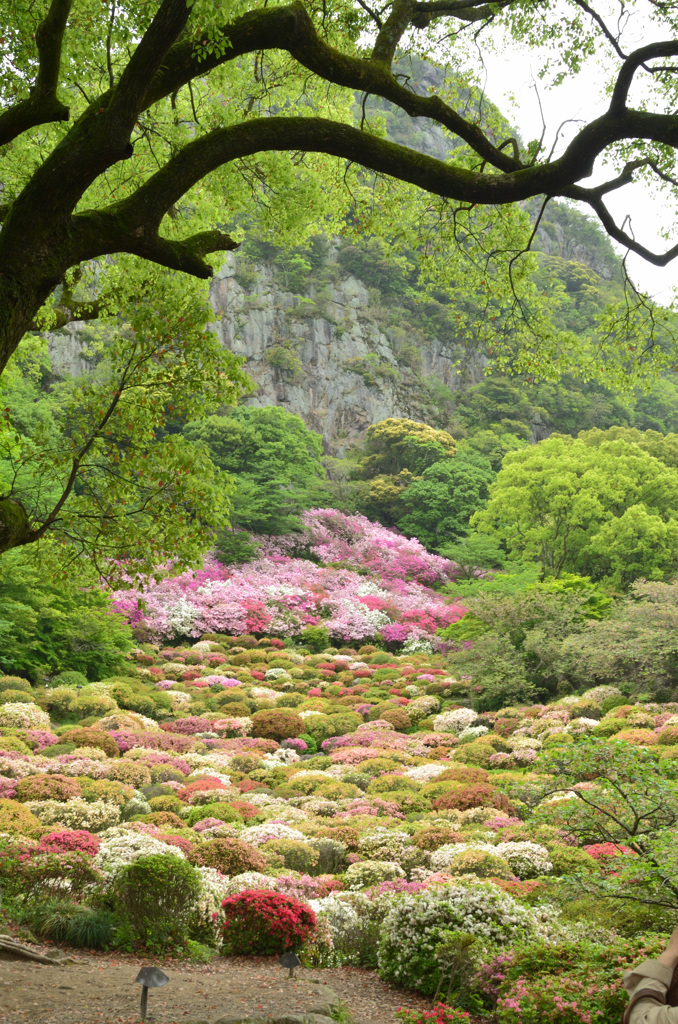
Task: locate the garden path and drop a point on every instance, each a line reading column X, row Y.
column 100, row 989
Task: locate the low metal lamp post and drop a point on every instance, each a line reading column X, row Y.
column 289, row 960
column 149, row 977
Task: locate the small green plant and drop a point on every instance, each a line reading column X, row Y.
column 341, row 1013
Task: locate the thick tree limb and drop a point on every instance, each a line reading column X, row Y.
column 42, row 104
column 169, row 22
column 290, row 28
column 391, row 32
column 633, row 62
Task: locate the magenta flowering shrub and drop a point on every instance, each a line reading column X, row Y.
column 70, row 840
column 381, row 588
column 358, row 543
column 155, row 740
column 38, row 739
column 188, row 726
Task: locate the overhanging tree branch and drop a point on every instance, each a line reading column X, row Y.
column 42, row 104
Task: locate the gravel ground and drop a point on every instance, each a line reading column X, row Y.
column 100, row 989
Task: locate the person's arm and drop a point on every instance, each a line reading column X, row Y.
column 647, row 985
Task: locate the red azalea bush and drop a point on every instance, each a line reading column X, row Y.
column 246, row 810
column 70, row 840
column 47, row 787
column 479, row 795
column 265, row 922
column 200, row 786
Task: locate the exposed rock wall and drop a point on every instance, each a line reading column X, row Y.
column 329, row 344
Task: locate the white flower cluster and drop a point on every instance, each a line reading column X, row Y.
column 521, row 742
column 601, row 693
column 23, row 716
column 121, row 846
column 422, row 707
column 249, row 880
column 276, row 673
column 445, row 856
column 178, row 699
column 425, row 772
column 213, row 889
column 384, row 844
column 308, row 713
column 473, row 731
column 278, row 757
column 454, row 721
column 210, row 773
column 413, row 924
column 285, row 812
column 21, row 768
column 76, row 814
column 581, row 725
column 526, row 859
column 370, row 872
column 265, row 692
column 259, row 834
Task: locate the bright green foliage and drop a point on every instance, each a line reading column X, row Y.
column 48, row 627
column 275, row 459
column 520, row 636
column 156, row 896
column 604, row 511
column 438, row 505
column 85, row 458
column 396, row 444
column 632, row 804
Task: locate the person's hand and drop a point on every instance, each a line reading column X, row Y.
column 670, row 955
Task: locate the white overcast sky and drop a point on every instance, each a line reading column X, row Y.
column 513, row 75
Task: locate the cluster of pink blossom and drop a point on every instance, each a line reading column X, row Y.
column 286, row 596
column 355, row 541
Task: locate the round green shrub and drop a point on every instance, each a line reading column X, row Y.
column 230, row 856
column 14, row 683
column 156, row 895
column 292, row 854
column 276, row 725
column 222, row 811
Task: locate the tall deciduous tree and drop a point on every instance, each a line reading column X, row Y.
column 603, row 510
column 275, row 460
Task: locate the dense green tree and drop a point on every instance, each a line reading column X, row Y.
column 610, row 510
column 48, row 627
column 635, row 646
column 84, row 460
column 275, row 459
column 437, row 506
column 393, row 445
column 511, row 640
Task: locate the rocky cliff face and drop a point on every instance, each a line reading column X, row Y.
column 327, row 358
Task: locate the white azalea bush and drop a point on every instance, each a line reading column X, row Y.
column 371, row 872
column 23, row 716
column 454, row 721
column 412, row 927
column 527, row 860
column 122, row 846
column 76, row 813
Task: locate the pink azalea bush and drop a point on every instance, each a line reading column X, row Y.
column 381, row 588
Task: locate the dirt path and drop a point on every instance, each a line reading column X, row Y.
column 100, row 989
